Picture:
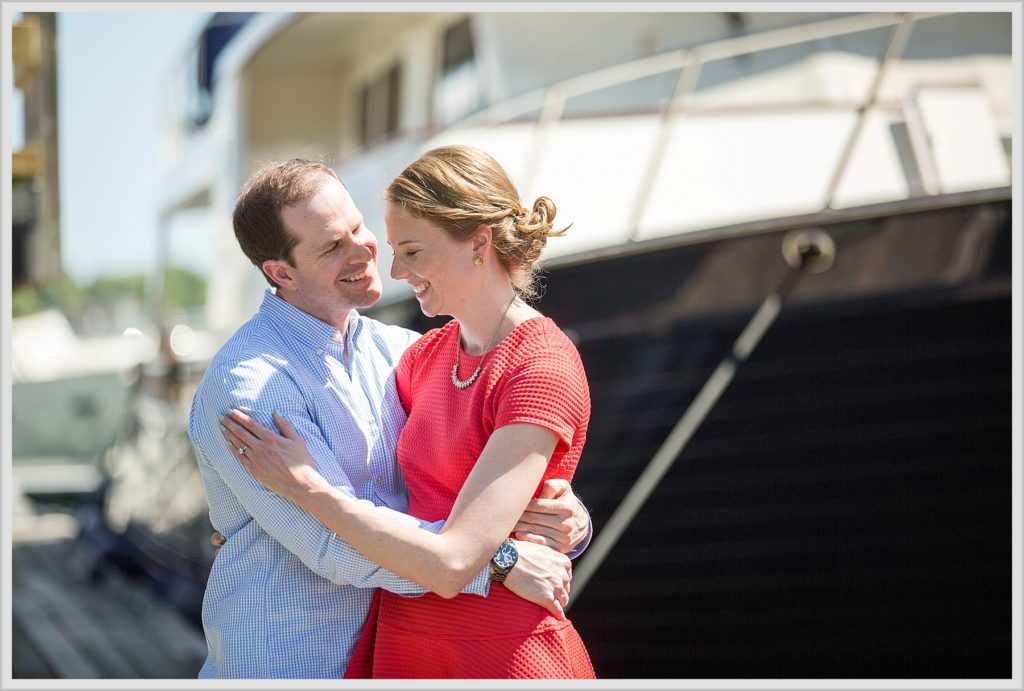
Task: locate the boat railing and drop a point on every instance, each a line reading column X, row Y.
column 547, row 106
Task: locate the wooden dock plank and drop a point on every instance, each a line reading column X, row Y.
column 50, row 642
column 130, row 627
column 83, row 624
column 174, row 636
column 79, row 627
column 30, row 664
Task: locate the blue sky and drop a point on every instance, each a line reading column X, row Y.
column 110, row 69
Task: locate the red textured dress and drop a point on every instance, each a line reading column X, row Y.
column 533, row 376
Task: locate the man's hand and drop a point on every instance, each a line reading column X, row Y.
column 541, row 576
column 218, row 541
column 556, row 519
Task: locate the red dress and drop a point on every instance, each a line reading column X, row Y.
column 533, row 376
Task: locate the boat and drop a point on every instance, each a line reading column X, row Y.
column 70, row 396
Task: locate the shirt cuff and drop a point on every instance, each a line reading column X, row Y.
column 481, row 583
column 579, row 549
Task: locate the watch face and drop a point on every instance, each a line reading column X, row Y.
column 506, row 556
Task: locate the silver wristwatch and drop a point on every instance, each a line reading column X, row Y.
column 503, row 561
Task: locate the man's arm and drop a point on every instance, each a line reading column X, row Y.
column 558, row 519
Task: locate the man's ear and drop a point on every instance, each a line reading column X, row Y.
column 482, row 238
column 280, row 272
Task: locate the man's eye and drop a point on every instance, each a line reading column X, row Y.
column 411, row 253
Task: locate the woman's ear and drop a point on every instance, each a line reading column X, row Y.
column 482, row 238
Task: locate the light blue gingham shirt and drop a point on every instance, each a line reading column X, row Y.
column 286, row 598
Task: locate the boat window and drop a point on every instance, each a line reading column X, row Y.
column 458, row 46
column 458, row 90
column 379, row 103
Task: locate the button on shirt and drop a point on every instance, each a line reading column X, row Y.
column 287, row 598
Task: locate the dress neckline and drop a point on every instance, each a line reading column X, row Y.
column 464, row 354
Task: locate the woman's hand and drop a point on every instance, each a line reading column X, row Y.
column 280, row 462
column 541, row 576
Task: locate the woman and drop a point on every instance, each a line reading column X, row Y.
column 497, row 402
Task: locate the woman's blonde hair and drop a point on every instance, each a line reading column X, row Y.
column 459, row 187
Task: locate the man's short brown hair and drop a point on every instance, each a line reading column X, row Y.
column 259, row 229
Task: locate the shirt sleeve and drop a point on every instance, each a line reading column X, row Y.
column 246, row 387
column 405, row 371
column 403, row 379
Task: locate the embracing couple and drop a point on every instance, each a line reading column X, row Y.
column 369, row 480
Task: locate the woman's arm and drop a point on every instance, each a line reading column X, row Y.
column 490, row 503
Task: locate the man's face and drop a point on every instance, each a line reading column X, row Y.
column 334, row 262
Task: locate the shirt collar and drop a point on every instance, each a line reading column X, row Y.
column 302, row 327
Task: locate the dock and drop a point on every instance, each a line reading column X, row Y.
column 78, row 616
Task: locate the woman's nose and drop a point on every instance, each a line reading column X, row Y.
column 397, row 270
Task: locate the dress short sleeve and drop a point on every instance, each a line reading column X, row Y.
column 549, row 389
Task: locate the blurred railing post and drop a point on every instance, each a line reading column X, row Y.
column 894, row 47
column 686, row 83
column 550, row 114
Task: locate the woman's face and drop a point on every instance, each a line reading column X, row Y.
column 426, row 257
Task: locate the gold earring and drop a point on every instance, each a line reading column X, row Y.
column 478, row 260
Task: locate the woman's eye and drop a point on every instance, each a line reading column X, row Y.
column 411, row 253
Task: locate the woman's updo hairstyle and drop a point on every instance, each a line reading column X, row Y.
column 459, row 187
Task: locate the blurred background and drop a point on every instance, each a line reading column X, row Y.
column 788, row 275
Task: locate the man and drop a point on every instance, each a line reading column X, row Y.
column 285, row 596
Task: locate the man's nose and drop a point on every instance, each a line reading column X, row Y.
column 367, row 246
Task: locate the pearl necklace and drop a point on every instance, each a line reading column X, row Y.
column 463, row 383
